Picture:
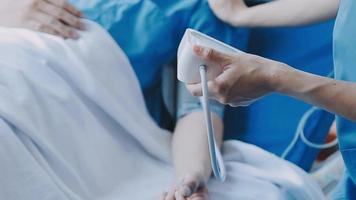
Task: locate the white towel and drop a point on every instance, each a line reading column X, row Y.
column 73, row 126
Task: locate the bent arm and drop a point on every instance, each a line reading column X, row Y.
column 286, row 13
column 336, row 96
column 190, row 145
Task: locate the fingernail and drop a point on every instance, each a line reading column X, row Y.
column 197, row 49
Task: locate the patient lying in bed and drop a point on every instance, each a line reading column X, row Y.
column 74, row 126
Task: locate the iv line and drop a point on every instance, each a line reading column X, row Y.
column 300, row 133
column 215, row 155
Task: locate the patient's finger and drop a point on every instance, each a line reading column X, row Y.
column 170, row 195
column 178, row 196
column 67, row 6
column 61, row 14
column 48, row 30
column 55, row 24
column 186, row 190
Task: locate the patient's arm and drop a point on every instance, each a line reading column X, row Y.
column 190, row 150
column 275, row 13
column 56, row 17
column 190, row 145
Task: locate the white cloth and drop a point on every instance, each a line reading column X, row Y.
column 73, row 125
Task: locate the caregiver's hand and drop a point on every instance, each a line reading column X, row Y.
column 55, row 17
column 245, row 77
column 189, row 187
column 229, row 11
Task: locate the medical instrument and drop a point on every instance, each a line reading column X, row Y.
column 193, row 69
column 217, row 162
column 300, row 134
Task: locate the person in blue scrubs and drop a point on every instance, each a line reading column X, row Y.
column 264, row 123
column 149, row 32
column 247, row 77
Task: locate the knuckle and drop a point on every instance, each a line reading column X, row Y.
column 209, row 53
column 223, row 99
column 77, row 22
column 220, row 87
column 214, row 88
column 194, row 93
column 60, row 14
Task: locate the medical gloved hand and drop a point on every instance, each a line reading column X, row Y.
column 56, row 17
column 229, row 11
column 245, row 77
column 190, row 187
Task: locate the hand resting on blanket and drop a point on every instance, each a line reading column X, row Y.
column 56, row 17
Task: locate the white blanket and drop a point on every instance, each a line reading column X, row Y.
column 73, row 125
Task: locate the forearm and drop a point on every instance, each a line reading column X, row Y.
column 190, row 145
column 335, row 96
column 287, row 13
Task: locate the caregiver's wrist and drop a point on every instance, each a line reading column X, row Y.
column 295, row 83
column 281, row 78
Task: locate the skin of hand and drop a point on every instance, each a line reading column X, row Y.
column 245, row 77
column 229, row 11
column 189, row 187
column 191, row 157
column 56, row 17
column 274, row 13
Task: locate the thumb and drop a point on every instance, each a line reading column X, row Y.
column 188, row 186
column 212, row 55
column 187, row 189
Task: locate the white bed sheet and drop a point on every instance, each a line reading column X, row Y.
column 74, row 126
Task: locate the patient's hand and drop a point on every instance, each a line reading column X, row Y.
column 229, row 11
column 190, row 187
column 56, row 17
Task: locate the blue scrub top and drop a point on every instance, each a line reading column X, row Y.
column 267, row 123
column 345, row 69
column 149, row 31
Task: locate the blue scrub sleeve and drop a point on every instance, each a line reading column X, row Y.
column 188, row 103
